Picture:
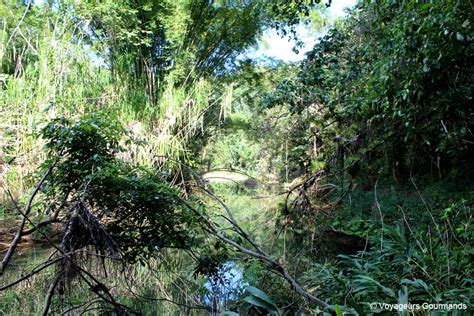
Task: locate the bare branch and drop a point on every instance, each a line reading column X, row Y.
column 49, row 294
column 272, row 264
column 36, row 270
column 26, row 211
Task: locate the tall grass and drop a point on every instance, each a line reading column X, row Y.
column 49, row 69
column 54, row 76
column 58, row 74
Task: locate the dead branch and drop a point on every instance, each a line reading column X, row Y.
column 49, row 294
column 26, row 211
column 85, row 305
column 260, row 255
column 103, row 292
column 201, row 184
column 35, row 226
column 35, row 270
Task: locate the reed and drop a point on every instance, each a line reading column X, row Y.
column 60, row 74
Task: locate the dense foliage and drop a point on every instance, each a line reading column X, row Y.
column 165, row 172
column 387, row 93
column 394, row 83
column 140, row 210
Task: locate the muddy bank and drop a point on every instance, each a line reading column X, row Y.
column 9, row 228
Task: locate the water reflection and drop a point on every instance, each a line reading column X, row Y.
column 224, row 288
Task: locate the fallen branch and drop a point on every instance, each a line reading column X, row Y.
column 25, row 213
column 36, row 270
column 260, row 255
column 49, row 294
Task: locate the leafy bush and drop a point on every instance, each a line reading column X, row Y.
column 141, row 211
column 393, row 83
column 419, row 267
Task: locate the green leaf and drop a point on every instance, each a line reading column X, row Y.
column 260, row 303
column 260, row 294
column 385, row 289
column 259, row 298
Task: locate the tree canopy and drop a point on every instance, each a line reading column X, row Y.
column 150, row 164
